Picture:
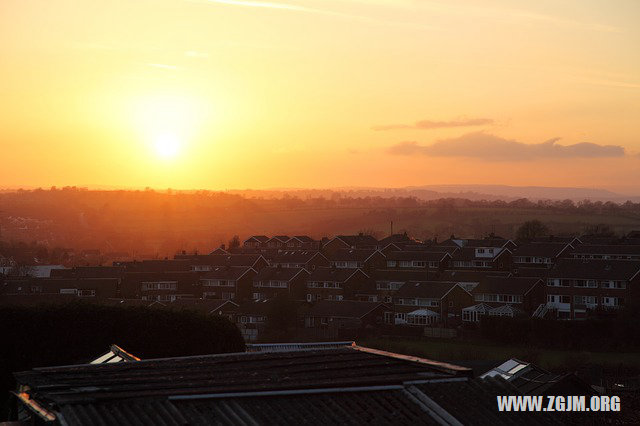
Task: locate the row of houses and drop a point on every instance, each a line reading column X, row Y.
column 415, row 283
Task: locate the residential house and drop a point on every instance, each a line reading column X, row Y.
column 303, row 242
column 271, row 282
column 388, row 281
column 255, row 241
column 203, row 263
column 469, row 279
column 606, row 252
column 347, row 315
column 349, row 242
column 482, row 258
column 160, row 286
column 505, row 296
column 227, row 283
column 417, row 260
column 539, row 254
column 277, row 242
column 335, row 284
column 50, row 288
column 429, row 303
column 306, row 259
column 577, row 286
column 365, row 259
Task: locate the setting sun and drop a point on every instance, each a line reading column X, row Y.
column 167, row 146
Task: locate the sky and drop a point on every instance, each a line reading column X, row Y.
column 222, row 94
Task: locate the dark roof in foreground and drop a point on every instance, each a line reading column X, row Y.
column 343, row 385
column 229, row 373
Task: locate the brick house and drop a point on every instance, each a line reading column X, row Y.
column 335, row 284
column 430, row 302
column 271, row 282
column 227, row 283
column 576, row 287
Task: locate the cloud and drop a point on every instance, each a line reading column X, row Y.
column 428, row 124
column 489, row 147
column 292, row 7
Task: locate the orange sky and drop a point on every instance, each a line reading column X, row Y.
column 223, row 94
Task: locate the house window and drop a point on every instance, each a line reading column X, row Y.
column 388, row 317
column 451, row 303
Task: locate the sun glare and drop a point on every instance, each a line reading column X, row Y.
column 167, row 146
column 167, row 123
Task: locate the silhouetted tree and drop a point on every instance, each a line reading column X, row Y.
column 234, row 243
column 531, row 229
column 600, row 229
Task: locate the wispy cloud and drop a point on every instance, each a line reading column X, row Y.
column 319, row 11
column 489, row 147
column 429, row 124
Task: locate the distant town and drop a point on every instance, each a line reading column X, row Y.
column 348, row 286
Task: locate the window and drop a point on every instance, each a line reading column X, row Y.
column 388, row 317
column 451, row 303
column 613, row 284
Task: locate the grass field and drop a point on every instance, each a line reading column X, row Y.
column 456, row 350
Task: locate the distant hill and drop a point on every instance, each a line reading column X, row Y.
column 434, row 192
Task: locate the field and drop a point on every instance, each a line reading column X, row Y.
column 553, row 360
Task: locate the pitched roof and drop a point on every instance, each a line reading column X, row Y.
column 258, row 238
column 595, row 269
column 342, row 385
column 360, row 255
column 294, row 256
column 469, row 253
column 281, row 238
column 89, row 272
column 551, row 250
column 343, row 308
column 506, row 285
column 603, row 249
column 425, row 289
column 426, row 256
column 226, row 260
column 334, row 274
column 358, row 240
column 279, row 274
column 224, row 373
column 470, row 276
column 303, row 238
column 395, row 238
column 226, row 272
column 399, row 275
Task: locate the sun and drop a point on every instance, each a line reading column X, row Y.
column 167, row 145
column 168, row 123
